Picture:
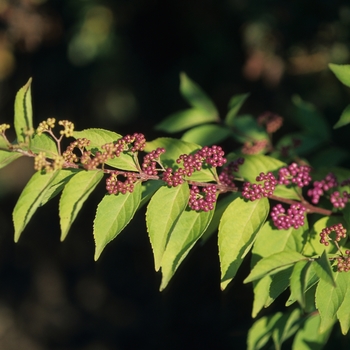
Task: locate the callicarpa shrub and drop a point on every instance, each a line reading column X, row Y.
column 266, row 198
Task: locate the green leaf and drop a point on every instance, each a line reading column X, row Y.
column 313, row 245
column 342, row 72
column 330, row 298
column 238, row 227
column 302, row 280
column 186, row 119
column 170, row 202
column 113, row 213
column 234, row 106
column 323, row 269
column 148, row 190
column 260, row 333
column 344, row 118
column 221, row 206
column 308, row 336
column 306, row 116
column 246, row 128
column 268, row 288
column 175, row 148
column 186, row 232
column 285, row 327
column 44, row 143
column 343, row 313
column 196, row 97
column 31, row 198
column 273, row 264
column 7, row 157
column 23, row 121
column 98, row 138
column 327, row 157
column 298, row 281
column 74, row 195
column 255, row 164
column 206, row 135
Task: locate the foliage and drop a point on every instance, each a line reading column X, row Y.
column 267, row 202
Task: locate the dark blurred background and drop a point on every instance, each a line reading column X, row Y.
column 115, row 65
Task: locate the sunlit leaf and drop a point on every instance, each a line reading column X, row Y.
column 342, row 72
column 308, row 337
column 113, row 213
column 163, row 212
column 329, row 298
column 206, row 135
column 196, row 97
column 260, row 333
column 186, row 119
column 344, row 118
column 44, row 143
column 273, row 264
column 246, row 129
column 285, row 327
column 323, row 269
column 238, row 227
column 23, row 121
column 343, row 313
column 39, row 190
column 234, row 106
column 186, row 232
column 74, row 195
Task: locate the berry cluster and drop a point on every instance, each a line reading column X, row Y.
column 343, row 262
column 202, row 199
column 339, row 230
column 226, row 177
column 42, row 163
column 338, row 199
column 256, row 191
column 271, row 121
column 150, row 161
column 254, row 147
column 295, row 216
column 297, row 174
column 207, row 156
column 68, row 154
column 114, row 186
column 319, row 187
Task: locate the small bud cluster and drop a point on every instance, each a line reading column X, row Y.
column 42, row 163
column 319, row 187
column 68, row 154
column 256, row 191
column 3, row 128
column 202, row 199
column 295, row 216
column 297, row 174
column 130, row 143
column 272, row 121
column 68, row 128
column 254, row 147
column 343, row 262
column 150, row 161
column 46, row 125
column 339, row 230
column 226, row 177
column 114, row 186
